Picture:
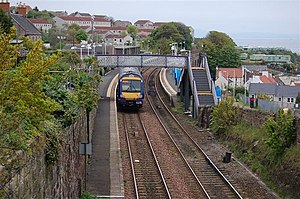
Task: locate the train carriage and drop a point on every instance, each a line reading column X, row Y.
column 130, row 89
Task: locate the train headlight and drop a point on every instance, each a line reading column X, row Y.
column 139, row 97
column 122, row 96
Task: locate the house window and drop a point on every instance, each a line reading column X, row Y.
column 292, row 99
column 288, row 99
column 279, row 99
column 120, row 40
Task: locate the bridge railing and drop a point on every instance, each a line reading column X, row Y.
column 167, row 61
column 210, row 80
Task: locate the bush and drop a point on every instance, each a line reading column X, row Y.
column 224, row 116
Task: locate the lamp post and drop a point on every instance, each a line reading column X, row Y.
column 234, row 83
column 92, row 37
column 60, row 38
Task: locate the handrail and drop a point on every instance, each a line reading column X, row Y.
column 210, row 80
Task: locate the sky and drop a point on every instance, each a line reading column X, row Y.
column 240, row 19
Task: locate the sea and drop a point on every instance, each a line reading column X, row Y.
column 289, row 44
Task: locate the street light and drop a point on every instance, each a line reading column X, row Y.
column 60, row 38
column 92, row 37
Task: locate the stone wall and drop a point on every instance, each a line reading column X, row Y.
column 65, row 179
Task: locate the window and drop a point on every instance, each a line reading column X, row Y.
column 292, row 99
column 279, row 99
column 288, row 99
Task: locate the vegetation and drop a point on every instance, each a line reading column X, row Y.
column 36, row 14
column 221, row 51
column 224, row 116
column 87, row 195
column 163, row 36
column 132, row 31
column 81, row 35
column 268, row 149
column 281, row 132
column 5, row 22
column 40, row 96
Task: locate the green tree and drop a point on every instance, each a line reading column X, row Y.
column 221, row 51
column 72, row 29
column 224, row 115
column 132, row 31
column 36, row 14
column 5, row 22
column 81, row 35
column 281, row 132
column 169, row 33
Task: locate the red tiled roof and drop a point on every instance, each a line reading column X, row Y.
column 266, row 79
column 142, row 21
column 72, row 18
column 231, row 72
column 144, row 30
column 115, row 36
column 111, row 28
column 40, row 21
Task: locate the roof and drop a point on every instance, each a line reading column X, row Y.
column 269, row 89
column 25, row 24
column 256, row 67
column 231, row 72
column 39, row 21
column 269, row 79
column 115, row 36
column 142, row 21
column 287, row 91
column 73, row 18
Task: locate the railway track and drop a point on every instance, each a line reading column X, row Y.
column 148, row 179
column 211, row 180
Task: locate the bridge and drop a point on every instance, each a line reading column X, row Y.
column 196, row 80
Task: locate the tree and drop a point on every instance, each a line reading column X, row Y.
column 132, row 31
column 220, row 50
column 170, row 33
column 72, row 29
column 281, row 132
column 224, row 115
column 81, row 35
column 5, row 22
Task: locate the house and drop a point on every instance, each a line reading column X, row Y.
column 119, row 23
column 146, row 24
column 229, row 77
column 80, row 14
column 25, row 27
column 264, row 89
column 277, row 93
column 271, row 58
column 62, row 21
column 119, row 40
column 41, row 24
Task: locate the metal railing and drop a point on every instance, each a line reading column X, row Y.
column 166, row 61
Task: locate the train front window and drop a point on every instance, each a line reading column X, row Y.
column 131, row 86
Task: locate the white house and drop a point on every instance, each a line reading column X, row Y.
column 119, row 40
column 62, row 21
column 41, row 24
column 147, row 24
column 229, row 77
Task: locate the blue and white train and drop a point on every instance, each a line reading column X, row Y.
column 130, row 89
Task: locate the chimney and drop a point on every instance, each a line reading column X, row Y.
column 4, row 6
column 22, row 9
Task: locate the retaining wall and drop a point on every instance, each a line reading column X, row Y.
column 65, row 179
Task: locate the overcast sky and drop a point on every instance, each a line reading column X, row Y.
column 238, row 18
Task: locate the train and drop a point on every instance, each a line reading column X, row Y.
column 130, row 89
